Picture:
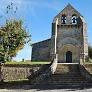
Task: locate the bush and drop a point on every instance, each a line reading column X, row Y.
column 90, row 52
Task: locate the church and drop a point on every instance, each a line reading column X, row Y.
column 68, row 42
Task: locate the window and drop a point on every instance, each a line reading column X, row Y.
column 74, row 19
column 63, row 19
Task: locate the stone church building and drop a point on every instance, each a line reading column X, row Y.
column 68, row 40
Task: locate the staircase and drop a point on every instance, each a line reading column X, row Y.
column 66, row 76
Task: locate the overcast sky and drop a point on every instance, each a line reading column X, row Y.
column 38, row 15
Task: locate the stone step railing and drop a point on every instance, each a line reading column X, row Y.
column 46, row 73
column 85, row 73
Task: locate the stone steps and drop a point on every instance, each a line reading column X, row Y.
column 61, row 86
column 53, row 81
column 67, row 83
column 72, row 79
column 66, row 75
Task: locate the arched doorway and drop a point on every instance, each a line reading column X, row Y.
column 68, row 57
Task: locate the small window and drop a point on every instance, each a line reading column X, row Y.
column 63, row 19
column 74, row 19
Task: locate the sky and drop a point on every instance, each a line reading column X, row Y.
column 38, row 16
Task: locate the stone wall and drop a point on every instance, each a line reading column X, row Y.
column 68, row 36
column 86, row 71
column 17, row 72
column 88, row 67
column 41, row 50
column 10, row 72
column 69, row 11
column 69, row 39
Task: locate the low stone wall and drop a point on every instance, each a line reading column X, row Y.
column 10, row 72
column 88, row 67
column 86, row 71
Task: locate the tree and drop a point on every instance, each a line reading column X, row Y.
column 13, row 38
column 90, row 51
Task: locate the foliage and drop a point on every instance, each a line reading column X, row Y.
column 13, row 37
column 90, row 51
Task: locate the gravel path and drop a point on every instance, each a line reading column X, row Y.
column 28, row 89
column 56, row 90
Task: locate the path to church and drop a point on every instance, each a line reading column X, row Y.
column 55, row 90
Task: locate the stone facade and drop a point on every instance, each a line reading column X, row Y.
column 68, row 39
column 41, row 50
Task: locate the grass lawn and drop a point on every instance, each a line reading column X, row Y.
column 28, row 62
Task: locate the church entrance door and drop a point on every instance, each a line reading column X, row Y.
column 68, row 57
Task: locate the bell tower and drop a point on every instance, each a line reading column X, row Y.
column 69, row 36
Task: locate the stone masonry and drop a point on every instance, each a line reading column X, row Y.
column 68, row 39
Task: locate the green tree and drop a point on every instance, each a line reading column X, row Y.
column 90, row 51
column 13, row 37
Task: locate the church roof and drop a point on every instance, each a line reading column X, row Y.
column 69, row 6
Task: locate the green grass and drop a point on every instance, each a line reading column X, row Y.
column 19, row 80
column 28, row 62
